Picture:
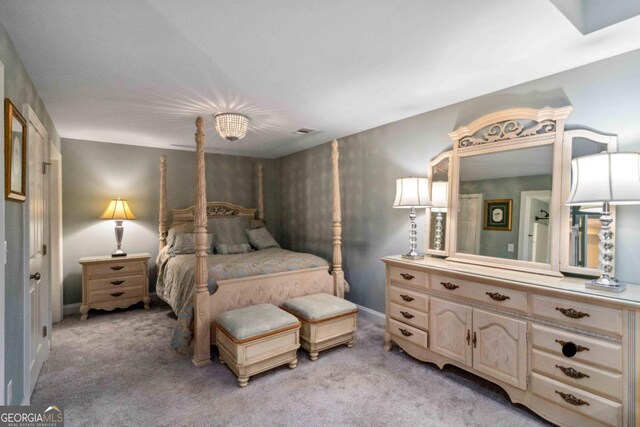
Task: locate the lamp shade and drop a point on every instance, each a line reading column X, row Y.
column 605, row 177
column 440, row 195
column 118, row 209
column 412, row 193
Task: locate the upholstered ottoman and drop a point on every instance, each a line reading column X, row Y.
column 257, row 338
column 327, row 321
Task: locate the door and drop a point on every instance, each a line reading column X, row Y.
column 500, row 347
column 469, row 220
column 450, row 325
column 39, row 289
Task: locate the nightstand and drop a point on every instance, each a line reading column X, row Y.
column 114, row 282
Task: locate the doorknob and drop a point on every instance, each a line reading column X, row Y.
column 36, row 276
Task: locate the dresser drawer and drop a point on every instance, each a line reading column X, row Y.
column 116, row 283
column 578, row 374
column 578, row 314
column 409, row 333
column 489, row 294
column 409, row 316
column 588, row 404
column 406, row 275
column 585, row 349
column 123, row 268
column 409, row 298
column 110, row 295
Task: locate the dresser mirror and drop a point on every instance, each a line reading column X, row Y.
column 580, row 224
column 436, row 229
column 506, row 174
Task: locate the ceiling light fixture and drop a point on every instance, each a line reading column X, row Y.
column 231, row 126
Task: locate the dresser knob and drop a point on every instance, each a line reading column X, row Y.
column 450, row 286
column 407, row 298
column 571, row 399
column 117, row 294
column 117, row 282
column 497, row 296
column 407, row 315
column 407, row 276
column 405, row 332
column 570, row 372
column 570, row 349
column 117, row 267
column 573, row 314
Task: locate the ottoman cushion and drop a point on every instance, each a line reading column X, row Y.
column 248, row 322
column 319, row 306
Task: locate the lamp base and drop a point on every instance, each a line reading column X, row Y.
column 118, row 253
column 413, row 255
column 606, row 284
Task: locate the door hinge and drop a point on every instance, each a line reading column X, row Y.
column 44, row 249
column 44, row 167
column 44, row 331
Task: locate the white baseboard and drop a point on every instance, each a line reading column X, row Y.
column 371, row 315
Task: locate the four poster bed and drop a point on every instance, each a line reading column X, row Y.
column 201, row 287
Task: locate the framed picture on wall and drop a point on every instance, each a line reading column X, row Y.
column 15, row 153
column 497, row 214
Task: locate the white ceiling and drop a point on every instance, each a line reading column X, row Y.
column 139, row 72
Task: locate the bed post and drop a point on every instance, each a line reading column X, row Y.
column 260, row 193
column 162, row 224
column 338, row 274
column 202, row 326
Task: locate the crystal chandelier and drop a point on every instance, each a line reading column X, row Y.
column 231, row 126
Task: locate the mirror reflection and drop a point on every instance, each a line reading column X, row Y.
column 584, row 220
column 439, row 202
column 504, row 204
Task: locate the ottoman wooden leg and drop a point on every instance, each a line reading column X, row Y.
column 293, row 363
column 243, row 381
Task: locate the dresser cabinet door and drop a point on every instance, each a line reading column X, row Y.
column 450, row 326
column 500, row 347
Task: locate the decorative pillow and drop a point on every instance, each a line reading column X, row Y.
column 185, row 243
column 233, row 248
column 260, row 238
column 182, row 228
column 229, row 230
column 256, row 223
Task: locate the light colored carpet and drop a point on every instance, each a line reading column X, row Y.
column 119, row 369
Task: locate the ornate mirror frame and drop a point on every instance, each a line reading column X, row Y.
column 611, row 142
column 427, row 230
column 502, row 131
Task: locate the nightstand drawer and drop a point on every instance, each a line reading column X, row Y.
column 116, row 283
column 411, row 277
column 577, row 347
column 412, row 317
column 409, row 333
column 409, row 298
column 578, row 314
column 115, row 268
column 109, row 295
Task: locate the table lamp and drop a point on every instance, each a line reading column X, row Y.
column 605, row 179
column 439, row 201
column 118, row 210
column 412, row 193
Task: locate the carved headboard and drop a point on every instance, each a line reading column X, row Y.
column 214, row 210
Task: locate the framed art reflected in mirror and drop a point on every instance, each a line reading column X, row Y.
column 15, row 153
column 497, row 214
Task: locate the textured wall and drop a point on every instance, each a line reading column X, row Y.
column 94, row 172
column 604, row 96
column 20, row 90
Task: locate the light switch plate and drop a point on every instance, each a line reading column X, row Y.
column 510, row 247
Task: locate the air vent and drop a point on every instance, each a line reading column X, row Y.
column 304, row 131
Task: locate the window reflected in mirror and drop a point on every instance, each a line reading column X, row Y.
column 440, row 202
column 504, row 204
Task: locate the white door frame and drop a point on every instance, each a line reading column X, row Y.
column 32, row 118
column 55, row 225
column 3, row 254
column 525, row 206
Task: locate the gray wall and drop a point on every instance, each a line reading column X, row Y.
column 604, row 96
column 95, row 172
column 494, row 242
column 20, row 90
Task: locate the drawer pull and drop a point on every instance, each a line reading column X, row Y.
column 450, row 286
column 117, row 294
column 405, row 332
column 407, row 276
column 571, row 399
column 570, row 312
column 475, row 340
column 570, row 349
column 117, row 282
column 407, row 298
column 407, row 315
column 497, row 297
column 570, row 372
column 468, row 337
column 117, row 267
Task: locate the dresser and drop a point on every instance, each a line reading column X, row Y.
column 568, row 353
column 114, row 282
